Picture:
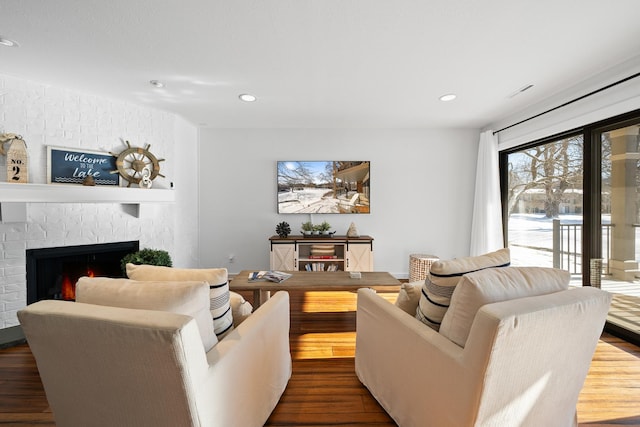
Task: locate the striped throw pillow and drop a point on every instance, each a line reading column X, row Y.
column 220, row 306
column 442, row 280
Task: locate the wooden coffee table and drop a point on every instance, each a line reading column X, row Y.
column 314, row 281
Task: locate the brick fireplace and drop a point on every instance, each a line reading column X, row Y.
column 53, row 272
column 47, row 115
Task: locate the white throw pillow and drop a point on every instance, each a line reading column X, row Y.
column 240, row 308
column 494, row 285
column 189, row 298
column 442, row 280
column 217, row 278
column 409, row 296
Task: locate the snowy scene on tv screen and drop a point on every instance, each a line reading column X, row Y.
column 323, row 187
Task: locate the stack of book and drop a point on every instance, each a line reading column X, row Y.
column 322, row 252
column 320, row 266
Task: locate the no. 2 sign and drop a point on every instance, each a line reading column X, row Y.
column 17, row 165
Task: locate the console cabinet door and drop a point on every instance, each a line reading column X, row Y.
column 283, row 257
column 359, row 257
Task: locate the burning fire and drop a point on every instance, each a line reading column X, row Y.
column 69, row 288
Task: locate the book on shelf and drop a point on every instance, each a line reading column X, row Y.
column 319, row 266
column 271, row 275
column 323, row 257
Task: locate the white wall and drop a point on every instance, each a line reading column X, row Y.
column 186, row 186
column 422, row 184
column 46, row 115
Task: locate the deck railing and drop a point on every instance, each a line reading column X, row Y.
column 567, row 246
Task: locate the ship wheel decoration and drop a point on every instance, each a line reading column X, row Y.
column 134, row 164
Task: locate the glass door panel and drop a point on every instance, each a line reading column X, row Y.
column 620, row 218
column 545, row 205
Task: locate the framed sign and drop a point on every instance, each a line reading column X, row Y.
column 71, row 166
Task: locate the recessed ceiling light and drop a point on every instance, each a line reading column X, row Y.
column 156, row 83
column 8, row 42
column 247, row 97
column 448, row 97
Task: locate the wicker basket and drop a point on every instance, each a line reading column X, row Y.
column 419, row 265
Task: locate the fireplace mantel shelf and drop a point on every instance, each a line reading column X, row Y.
column 60, row 193
column 14, row 197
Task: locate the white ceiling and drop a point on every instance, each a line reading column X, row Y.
column 320, row 63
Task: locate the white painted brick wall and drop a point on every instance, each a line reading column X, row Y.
column 45, row 115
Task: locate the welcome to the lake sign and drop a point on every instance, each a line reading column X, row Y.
column 70, row 166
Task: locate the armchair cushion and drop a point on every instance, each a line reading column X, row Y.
column 217, row 278
column 442, row 279
column 188, row 298
column 494, row 285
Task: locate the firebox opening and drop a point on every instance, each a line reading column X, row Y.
column 53, row 272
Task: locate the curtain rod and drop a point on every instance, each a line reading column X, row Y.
column 570, row 102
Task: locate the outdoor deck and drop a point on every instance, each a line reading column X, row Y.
column 625, row 307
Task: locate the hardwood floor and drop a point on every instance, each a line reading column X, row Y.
column 324, row 390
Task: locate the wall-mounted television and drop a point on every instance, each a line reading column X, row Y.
column 308, row 187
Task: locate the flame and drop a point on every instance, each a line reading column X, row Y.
column 68, row 289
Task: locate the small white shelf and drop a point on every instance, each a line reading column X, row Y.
column 59, row 193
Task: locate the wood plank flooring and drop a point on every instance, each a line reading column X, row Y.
column 324, row 390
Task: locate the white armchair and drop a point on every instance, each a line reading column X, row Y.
column 113, row 366
column 519, row 362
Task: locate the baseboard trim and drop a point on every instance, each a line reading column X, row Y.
column 11, row 336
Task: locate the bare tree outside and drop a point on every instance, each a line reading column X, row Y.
column 551, row 169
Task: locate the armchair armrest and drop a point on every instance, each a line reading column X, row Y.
column 249, row 369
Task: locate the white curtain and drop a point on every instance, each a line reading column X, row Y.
column 486, row 225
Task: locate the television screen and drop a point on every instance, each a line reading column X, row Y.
column 323, row 187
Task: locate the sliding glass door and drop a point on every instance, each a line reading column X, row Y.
column 572, row 201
